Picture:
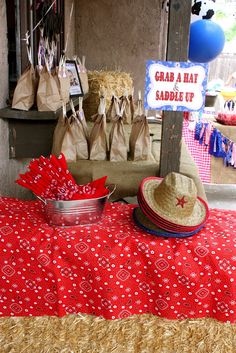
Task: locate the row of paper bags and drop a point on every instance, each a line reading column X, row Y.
column 123, row 106
column 72, row 138
column 48, row 88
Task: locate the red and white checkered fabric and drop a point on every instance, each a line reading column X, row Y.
column 200, row 153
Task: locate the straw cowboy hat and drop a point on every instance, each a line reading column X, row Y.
column 147, row 225
column 170, row 205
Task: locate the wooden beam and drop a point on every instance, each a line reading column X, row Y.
column 33, row 114
column 177, row 50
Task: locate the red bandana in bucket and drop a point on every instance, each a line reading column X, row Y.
column 49, row 178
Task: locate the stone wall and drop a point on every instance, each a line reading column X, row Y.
column 9, row 169
column 112, row 35
column 120, row 35
column 69, row 26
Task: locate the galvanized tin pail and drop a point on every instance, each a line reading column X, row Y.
column 76, row 212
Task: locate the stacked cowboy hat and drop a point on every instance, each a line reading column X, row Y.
column 170, row 207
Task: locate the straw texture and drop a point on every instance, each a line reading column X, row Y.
column 106, row 83
column 136, row 334
column 174, row 199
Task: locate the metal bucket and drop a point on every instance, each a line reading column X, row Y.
column 76, row 212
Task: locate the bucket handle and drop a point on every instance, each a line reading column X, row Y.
column 41, row 199
column 111, row 188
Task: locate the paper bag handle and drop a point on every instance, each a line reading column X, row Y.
column 72, row 107
column 80, row 104
column 41, row 199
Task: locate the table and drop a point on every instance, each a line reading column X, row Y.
column 113, row 269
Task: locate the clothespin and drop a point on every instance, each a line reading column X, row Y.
column 102, row 106
column 72, row 107
column 126, row 93
column 102, row 92
column 80, row 104
column 28, row 48
column 27, row 36
column 63, row 109
column 139, row 95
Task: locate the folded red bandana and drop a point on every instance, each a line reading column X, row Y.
column 50, row 178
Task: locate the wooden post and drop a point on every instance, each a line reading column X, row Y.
column 177, row 50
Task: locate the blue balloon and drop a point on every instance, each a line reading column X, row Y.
column 206, row 41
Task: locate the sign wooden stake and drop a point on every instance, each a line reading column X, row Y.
column 177, row 50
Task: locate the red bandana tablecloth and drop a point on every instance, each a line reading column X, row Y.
column 113, row 269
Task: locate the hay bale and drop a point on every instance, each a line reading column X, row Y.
column 106, row 83
column 135, row 334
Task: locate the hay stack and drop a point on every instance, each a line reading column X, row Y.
column 136, row 334
column 108, row 83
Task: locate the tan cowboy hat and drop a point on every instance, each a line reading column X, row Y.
column 173, row 201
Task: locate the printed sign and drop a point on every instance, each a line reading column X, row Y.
column 175, row 86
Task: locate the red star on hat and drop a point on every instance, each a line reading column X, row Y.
column 181, row 202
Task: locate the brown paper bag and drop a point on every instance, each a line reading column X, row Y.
column 117, row 140
column 131, row 102
column 74, row 145
column 111, row 113
column 139, row 142
column 59, row 132
column 24, row 94
column 128, row 108
column 98, row 139
column 80, row 115
column 64, row 81
column 48, row 95
column 83, row 75
column 138, row 107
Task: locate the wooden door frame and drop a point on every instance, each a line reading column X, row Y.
column 177, row 50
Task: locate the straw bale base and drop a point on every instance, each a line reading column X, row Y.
column 136, row 334
column 105, row 83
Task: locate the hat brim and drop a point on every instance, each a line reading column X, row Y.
column 160, row 222
column 196, row 219
column 145, row 224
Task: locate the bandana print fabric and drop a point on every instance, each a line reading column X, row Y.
column 113, row 269
column 49, row 178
